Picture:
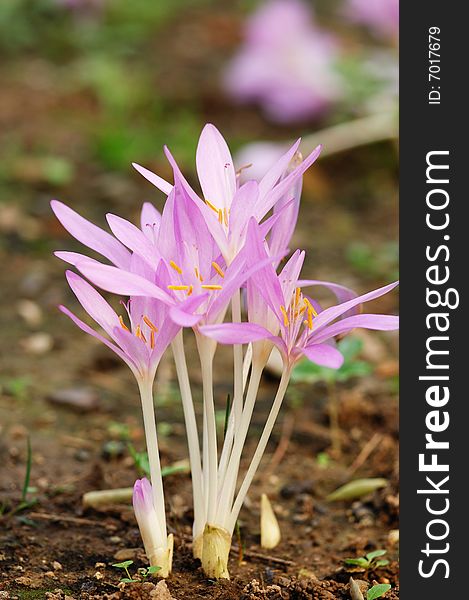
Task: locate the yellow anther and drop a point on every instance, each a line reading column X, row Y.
column 182, row 288
column 210, row 205
column 152, row 339
column 198, row 275
column 147, row 321
column 218, row 269
column 139, row 334
column 286, row 320
column 297, row 296
column 175, row 267
column 123, row 325
column 310, row 319
column 220, row 216
column 211, row 287
column 225, row 216
column 310, row 306
column 190, row 290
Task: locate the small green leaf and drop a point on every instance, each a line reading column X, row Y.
column 123, row 565
column 377, row 591
column 359, row 562
column 356, row 489
column 371, row 555
column 153, row 569
column 380, row 563
column 127, row 580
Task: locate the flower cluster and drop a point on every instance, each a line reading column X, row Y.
column 194, row 267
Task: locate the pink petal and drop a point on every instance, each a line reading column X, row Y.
column 324, row 355
column 215, row 167
column 273, row 196
column 121, row 282
column 376, row 322
column 277, row 170
column 90, row 235
column 87, row 329
column 133, row 238
column 156, row 180
column 92, row 301
column 150, row 220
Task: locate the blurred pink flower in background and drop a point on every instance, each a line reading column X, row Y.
column 286, row 63
column 381, row 16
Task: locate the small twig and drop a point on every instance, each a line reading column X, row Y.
column 280, row 451
column 66, row 519
column 100, row 498
column 263, row 557
column 365, row 452
column 359, row 132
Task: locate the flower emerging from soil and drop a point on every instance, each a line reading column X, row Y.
column 158, row 546
column 286, row 63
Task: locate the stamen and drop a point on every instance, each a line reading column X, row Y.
column 198, row 275
column 211, row 287
column 182, row 288
column 123, row 325
column 210, row 205
column 286, row 320
column 310, row 319
column 225, row 216
column 190, row 290
column 218, row 269
column 310, row 306
column 220, row 216
column 175, row 267
column 152, row 339
column 153, row 327
column 139, row 334
column 297, row 296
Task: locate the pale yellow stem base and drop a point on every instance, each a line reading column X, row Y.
column 163, row 558
column 215, row 552
column 197, row 546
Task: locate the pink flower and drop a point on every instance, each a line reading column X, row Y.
column 286, row 63
column 381, row 16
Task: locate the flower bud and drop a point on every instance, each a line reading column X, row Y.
column 158, row 548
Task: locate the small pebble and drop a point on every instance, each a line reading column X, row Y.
column 126, row 554
column 30, row 312
column 37, row 343
column 56, row 565
column 80, row 399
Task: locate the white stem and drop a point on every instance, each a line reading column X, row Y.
column 146, row 394
column 247, row 365
column 229, row 484
column 210, row 432
column 256, row 459
column 228, row 441
column 192, row 433
column 237, row 407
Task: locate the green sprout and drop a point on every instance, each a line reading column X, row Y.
column 24, row 502
column 377, row 591
column 143, row 466
column 142, row 573
column 368, row 562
